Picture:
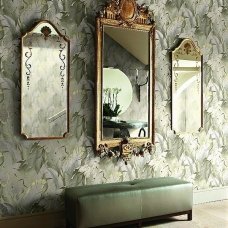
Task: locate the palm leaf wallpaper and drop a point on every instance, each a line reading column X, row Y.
column 34, row 174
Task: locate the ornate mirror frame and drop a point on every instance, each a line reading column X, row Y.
column 186, row 50
column 124, row 14
column 45, row 54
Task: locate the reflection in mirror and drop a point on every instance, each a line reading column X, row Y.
column 44, row 82
column 117, row 92
column 125, row 67
column 125, row 35
column 186, row 88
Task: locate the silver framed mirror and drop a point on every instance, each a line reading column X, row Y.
column 44, row 82
column 125, row 78
column 187, row 88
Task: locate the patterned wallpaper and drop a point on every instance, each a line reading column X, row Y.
column 34, row 174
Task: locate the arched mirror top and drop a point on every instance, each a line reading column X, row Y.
column 187, row 50
column 127, row 12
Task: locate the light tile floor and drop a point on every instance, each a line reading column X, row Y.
column 208, row 215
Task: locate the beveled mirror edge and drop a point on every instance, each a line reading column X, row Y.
column 202, row 103
column 172, row 51
column 35, row 25
column 100, row 22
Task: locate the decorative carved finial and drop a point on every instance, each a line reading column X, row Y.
column 46, row 31
column 127, row 11
column 125, row 151
column 187, row 49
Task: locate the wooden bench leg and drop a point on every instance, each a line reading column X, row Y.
column 190, row 216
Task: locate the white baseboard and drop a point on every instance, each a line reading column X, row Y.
column 210, row 195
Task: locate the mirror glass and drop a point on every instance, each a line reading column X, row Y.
column 125, row 84
column 44, row 82
column 186, row 88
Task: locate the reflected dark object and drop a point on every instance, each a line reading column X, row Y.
column 142, row 130
column 123, row 126
column 138, row 85
column 121, row 133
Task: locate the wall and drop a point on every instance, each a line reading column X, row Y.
column 34, row 174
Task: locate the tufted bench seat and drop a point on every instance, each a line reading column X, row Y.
column 132, row 201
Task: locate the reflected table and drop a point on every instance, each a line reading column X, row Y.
column 124, row 127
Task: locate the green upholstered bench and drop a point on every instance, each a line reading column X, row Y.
column 133, row 201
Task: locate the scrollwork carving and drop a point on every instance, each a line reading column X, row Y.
column 28, row 65
column 125, row 151
column 62, row 67
column 127, row 11
column 187, row 48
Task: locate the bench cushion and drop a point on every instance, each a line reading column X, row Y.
column 167, row 196
column 95, row 205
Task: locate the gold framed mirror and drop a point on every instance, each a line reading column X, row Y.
column 187, row 88
column 125, row 36
column 44, row 82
